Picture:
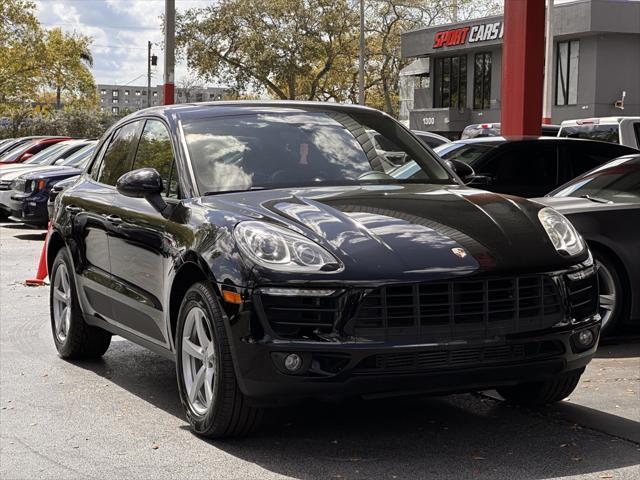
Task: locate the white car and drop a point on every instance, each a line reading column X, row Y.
column 622, row 130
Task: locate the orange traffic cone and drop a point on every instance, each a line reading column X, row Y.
column 41, row 274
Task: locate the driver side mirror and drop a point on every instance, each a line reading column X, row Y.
column 464, row 171
column 143, row 183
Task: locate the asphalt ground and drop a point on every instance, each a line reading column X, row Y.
column 120, row 417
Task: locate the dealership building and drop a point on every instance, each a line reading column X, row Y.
column 454, row 78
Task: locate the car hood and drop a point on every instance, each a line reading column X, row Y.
column 398, row 232
column 569, row 205
column 52, row 172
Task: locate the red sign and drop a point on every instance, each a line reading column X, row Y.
column 449, row 38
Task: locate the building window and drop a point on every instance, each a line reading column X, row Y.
column 451, row 82
column 103, row 92
column 567, row 72
column 126, row 93
column 115, row 93
column 155, row 94
column 137, row 93
column 144, row 92
column 115, row 100
column 482, row 81
column 115, row 110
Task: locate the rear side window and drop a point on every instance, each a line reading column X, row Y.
column 636, row 129
column 582, row 158
column 116, row 160
column 154, row 151
column 604, row 133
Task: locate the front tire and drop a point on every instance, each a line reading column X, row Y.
column 537, row 394
column 214, row 405
column 613, row 301
column 73, row 337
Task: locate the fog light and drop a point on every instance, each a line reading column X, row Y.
column 292, row 362
column 585, row 338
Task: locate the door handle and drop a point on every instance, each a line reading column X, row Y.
column 73, row 209
column 114, row 219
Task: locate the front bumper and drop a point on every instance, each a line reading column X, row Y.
column 29, row 208
column 464, row 359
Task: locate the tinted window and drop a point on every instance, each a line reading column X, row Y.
column 464, row 152
column 636, row 129
column 605, row 133
column 80, row 158
column 527, row 169
column 582, row 158
column 45, row 156
column 116, row 162
column 154, row 151
column 271, row 150
column 618, row 181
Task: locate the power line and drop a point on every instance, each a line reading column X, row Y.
column 115, row 27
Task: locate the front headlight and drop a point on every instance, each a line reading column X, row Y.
column 281, row 249
column 561, row 232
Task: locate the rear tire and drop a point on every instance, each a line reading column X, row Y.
column 214, row 405
column 73, row 337
column 536, row 394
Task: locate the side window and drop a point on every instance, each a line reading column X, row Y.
column 116, row 158
column 94, row 168
column 636, row 129
column 582, row 158
column 154, row 151
column 533, row 167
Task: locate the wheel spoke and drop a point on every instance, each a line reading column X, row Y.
column 192, row 349
column 61, row 320
column 197, row 384
column 208, row 386
column 60, row 295
column 66, row 321
column 65, row 281
column 202, row 334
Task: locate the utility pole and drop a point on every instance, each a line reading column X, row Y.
column 148, row 74
column 169, row 50
column 547, row 96
column 361, row 70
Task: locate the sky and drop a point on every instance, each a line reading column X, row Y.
column 120, row 30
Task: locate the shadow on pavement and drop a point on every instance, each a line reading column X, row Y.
column 440, row 437
column 620, row 347
column 31, row 236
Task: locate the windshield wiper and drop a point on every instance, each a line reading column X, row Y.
column 596, row 199
column 218, row 192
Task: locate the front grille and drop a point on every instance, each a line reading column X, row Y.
column 299, row 317
column 473, row 308
column 583, row 296
column 5, row 185
column 457, row 358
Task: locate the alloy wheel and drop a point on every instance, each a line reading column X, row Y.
column 199, row 360
column 61, row 303
column 607, row 292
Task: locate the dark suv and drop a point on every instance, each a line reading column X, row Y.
column 265, row 248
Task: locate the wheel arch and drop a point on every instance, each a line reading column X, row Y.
column 193, row 269
column 55, row 243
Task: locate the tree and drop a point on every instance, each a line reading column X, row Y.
column 21, row 51
column 66, row 69
column 287, row 47
column 188, row 86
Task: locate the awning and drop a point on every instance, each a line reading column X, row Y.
column 418, row 67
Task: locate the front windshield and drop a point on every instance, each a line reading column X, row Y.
column 618, row 181
column 46, row 156
column 276, row 149
column 79, row 159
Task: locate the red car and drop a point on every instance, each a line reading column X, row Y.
column 29, row 149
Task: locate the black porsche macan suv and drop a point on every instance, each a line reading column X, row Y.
column 266, row 249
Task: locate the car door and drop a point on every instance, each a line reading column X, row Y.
column 138, row 244
column 523, row 168
column 88, row 202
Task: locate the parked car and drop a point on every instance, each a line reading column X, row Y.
column 29, row 149
column 56, row 190
column 5, row 141
column 523, row 166
column 16, row 142
column 622, row 130
column 262, row 247
column 29, row 194
column 478, row 130
column 53, row 155
column 431, row 139
column 56, row 154
column 604, row 206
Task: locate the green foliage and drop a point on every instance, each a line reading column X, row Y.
column 78, row 123
column 34, row 61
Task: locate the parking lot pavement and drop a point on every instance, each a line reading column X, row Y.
column 121, row 417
